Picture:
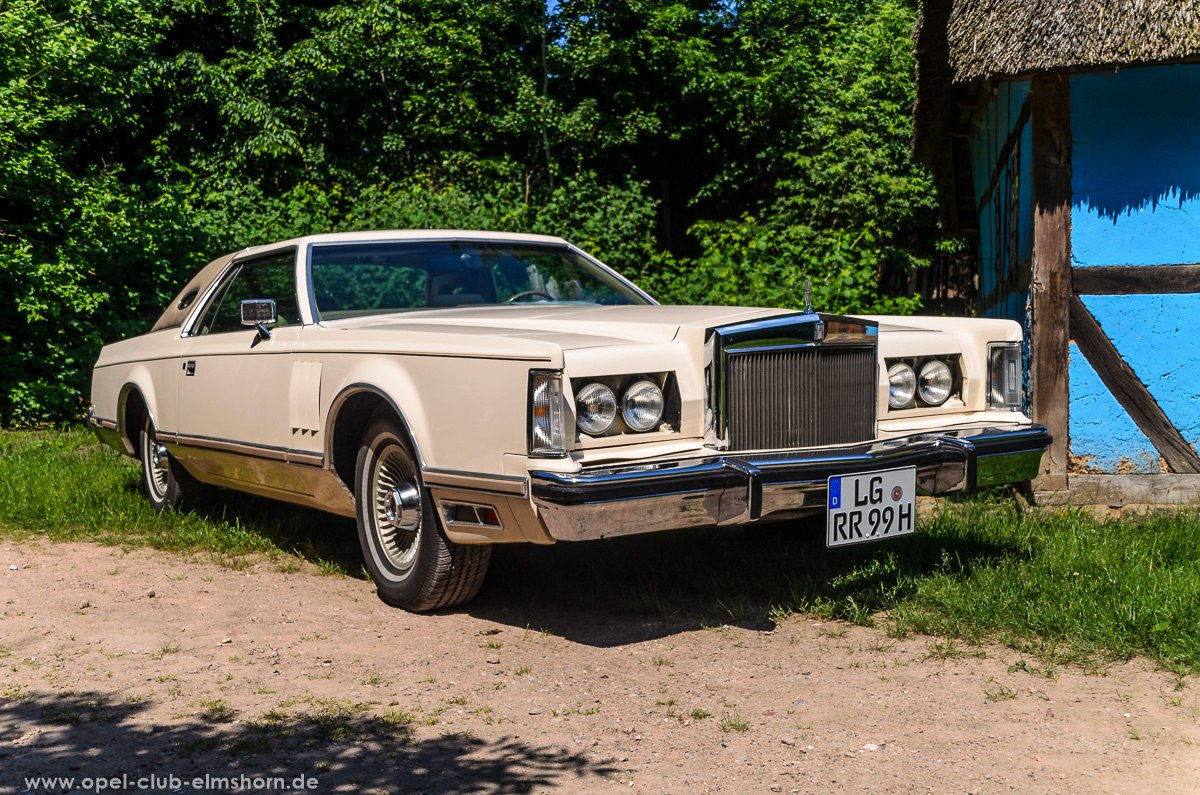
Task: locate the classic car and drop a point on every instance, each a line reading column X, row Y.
column 452, row 390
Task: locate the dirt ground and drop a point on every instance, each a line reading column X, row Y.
column 161, row 671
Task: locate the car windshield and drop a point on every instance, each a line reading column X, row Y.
column 354, row 279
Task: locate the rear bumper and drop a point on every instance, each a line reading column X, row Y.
column 740, row 488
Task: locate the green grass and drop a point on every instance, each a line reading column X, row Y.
column 1055, row 585
column 64, row 486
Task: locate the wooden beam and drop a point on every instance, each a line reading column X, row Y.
column 1130, row 392
column 1050, row 286
column 1135, row 490
column 1135, row 279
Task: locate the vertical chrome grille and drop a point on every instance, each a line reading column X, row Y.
column 800, row 397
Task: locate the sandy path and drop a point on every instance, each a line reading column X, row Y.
column 262, row 673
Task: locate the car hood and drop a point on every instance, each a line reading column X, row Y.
column 568, row 327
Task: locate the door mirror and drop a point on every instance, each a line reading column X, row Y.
column 259, row 312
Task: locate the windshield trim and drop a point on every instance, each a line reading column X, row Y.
column 312, row 300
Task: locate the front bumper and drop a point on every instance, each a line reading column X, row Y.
column 729, row 489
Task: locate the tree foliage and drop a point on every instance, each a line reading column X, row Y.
column 715, row 151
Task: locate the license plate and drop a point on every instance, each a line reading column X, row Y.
column 871, row 507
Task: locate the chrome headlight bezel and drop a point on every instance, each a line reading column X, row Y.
column 902, row 386
column 648, row 394
column 935, row 382
column 595, row 408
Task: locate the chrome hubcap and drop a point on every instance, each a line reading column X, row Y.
column 397, row 507
column 402, row 507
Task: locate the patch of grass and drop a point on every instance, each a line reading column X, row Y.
column 332, row 717
column 524, row 670
column 662, row 662
column 395, row 720
column 330, row 568
column 199, row 745
column 165, row 648
column 18, row 693
column 950, row 650
column 250, row 745
column 733, row 722
column 997, row 691
column 494, row 644
column 68, row 715
column 215, row 710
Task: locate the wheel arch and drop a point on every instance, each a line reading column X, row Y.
column 349, row 414
column 132, row 411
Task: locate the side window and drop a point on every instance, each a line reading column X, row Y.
column 272, row 277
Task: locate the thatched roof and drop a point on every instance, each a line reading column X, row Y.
column 1009, row 38
column 959, row 42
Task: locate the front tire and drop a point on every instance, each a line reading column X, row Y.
column 413, row 564
column 164, row 480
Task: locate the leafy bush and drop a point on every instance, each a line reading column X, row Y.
column 715, row 152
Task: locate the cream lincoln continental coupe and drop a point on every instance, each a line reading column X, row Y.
column 453, row 390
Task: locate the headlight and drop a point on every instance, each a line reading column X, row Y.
column 595, row 409
column 935, row 382
column 902, row 383
column 1004, row 376
column 642, row 406
column 545, row 415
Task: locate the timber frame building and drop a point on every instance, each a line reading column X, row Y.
column 1064, row 139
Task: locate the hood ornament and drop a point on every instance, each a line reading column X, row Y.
column 819, row 326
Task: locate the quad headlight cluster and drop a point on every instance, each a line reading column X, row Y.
column 641, row 407
column 604, row 406
column 926, row 382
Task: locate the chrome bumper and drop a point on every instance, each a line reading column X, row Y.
column 732, row 489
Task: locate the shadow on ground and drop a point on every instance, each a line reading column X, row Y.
column 639, row 587
column 336, row 743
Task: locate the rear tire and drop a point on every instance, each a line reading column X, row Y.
column 414, row 565
column 164, row 480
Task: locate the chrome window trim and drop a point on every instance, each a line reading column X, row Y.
column 244, row 257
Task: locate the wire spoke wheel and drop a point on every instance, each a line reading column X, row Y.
column 155, row 465
column 398, row 512
column 406, row 550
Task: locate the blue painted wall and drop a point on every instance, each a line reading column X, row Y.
column 1136, row 201
column 1006, row 220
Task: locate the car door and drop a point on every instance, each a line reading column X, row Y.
column 233, row 383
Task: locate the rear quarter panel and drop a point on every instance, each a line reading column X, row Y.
column 147, row 364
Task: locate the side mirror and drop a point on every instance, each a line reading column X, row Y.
column 259, row 312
